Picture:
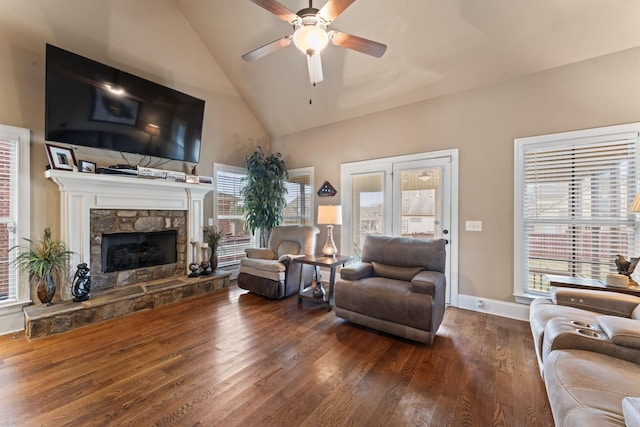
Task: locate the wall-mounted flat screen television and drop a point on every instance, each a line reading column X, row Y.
column 94, row 105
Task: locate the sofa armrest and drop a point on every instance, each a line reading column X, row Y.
column 428, row 282
column 260, row 253
column 356, row 271
column 609, row 303
column 621, row 331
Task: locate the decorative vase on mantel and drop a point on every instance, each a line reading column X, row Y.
column 46, row 289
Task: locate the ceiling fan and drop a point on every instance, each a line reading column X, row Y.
column 311, row 34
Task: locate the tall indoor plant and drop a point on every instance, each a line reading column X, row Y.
column 264, row 193
column 44, row 261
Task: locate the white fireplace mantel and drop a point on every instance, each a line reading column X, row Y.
column 81, row 192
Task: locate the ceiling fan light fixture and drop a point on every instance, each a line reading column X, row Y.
column 310, row 37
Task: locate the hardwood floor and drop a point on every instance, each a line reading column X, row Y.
column 233, row 358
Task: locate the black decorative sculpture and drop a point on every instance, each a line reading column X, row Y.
column 81, row 283
column 626, row 267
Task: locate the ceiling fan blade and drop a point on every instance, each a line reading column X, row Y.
column 315, row 68
column 278, row 9
column 333, row 8
column 356, row 43
column 267, row 48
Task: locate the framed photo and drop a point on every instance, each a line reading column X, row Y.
column 60, row 158
column 85, row 166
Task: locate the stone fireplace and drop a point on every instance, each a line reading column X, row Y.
column 92, row 205
column 131, row 246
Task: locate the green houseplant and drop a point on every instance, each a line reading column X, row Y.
column 264, row 193
column 44, row 261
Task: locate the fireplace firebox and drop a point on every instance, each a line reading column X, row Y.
column 127, row 251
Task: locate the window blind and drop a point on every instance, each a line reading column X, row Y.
column 298, row 209
column 229, row 215
column 8, row 212
column 576, row 207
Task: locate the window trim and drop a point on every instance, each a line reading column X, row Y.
column 521, row 145
column 11, row 315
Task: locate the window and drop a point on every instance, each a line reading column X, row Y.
column 299, row 209
column 572, row 198
column 14, row 224
column 228, row 204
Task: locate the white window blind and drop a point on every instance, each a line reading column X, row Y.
column 229, row 216
column 8, row 215
column 299, row 209
column 576, row 198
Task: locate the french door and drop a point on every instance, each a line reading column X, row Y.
column 412, row 196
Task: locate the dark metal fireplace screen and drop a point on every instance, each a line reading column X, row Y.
column 126, row 251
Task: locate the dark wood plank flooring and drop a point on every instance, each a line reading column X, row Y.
column 236, row 359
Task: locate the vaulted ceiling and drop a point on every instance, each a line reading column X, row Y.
column 435, row 47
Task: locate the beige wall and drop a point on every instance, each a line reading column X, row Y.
column 482, row 124
column 149, row 38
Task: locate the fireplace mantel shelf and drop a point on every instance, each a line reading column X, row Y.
column 78, row 181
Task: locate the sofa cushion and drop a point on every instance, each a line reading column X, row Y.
column 261, row 253
column 268, row 269
column 405, row 252
column 621, row 331
column 395, row 272
column 288, row 247
column 389, row 299
column 587, row 388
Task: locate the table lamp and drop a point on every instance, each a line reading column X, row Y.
column 635, row 206
column 330, row 215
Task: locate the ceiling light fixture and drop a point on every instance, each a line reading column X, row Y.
column 310, row 37
column 311, row 34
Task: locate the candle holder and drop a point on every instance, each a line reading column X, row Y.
column 205, row 265
column 194, row 266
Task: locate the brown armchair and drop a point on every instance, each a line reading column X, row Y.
column 269, row 271
column 399, row 287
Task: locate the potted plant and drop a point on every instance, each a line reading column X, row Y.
column 264, row 193
column 44, row 261
column 212, row 236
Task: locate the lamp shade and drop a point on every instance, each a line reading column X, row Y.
column 330, row 214
column 635, row 206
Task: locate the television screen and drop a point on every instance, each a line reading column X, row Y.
column 94, row 105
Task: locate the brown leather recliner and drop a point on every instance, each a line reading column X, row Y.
column 398, row 287
column 269, row 271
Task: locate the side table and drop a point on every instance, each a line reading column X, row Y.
column 318, row 261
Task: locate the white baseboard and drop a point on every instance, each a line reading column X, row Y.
column 11, row 322
column 511, row 310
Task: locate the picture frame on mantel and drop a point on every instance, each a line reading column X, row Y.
column 60, row 158
column 86, row 166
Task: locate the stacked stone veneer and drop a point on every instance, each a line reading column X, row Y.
column 42, row 320
column 108, row 221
